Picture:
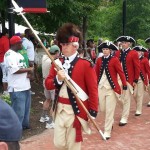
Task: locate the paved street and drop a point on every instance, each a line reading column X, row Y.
column 134, row 136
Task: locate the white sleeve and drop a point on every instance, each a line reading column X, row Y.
column 12, row 64
column 59, row 82
column 25, row 44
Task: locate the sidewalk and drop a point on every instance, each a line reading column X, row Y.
column 134, row 136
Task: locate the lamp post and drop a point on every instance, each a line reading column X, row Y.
column 2, row 17
column 10, row 18
column 124, row 17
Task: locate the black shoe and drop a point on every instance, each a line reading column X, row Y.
column 137, row 114
column 148, row 105
column 107, row 138
column 122, row 124
column 26, row 128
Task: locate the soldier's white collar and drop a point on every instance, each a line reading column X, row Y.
column 107, row 56
column 72, row 57
column 124, row 50
column 67, row 62
column 140, row 56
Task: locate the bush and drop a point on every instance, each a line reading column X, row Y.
column 6, row 98
column 141, row 42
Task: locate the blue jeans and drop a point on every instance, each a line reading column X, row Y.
column 21, row 103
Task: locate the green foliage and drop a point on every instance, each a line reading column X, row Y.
column 32, row 110
column 142, row 43
column 138, row 22
column 61, row 11
column 104, row 17
column 108, row 19
column 6, row 98
column 3, row 4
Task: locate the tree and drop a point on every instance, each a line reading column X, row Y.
column 101, row 18
column 61, row 11
column 108, row 19
column 138, row 21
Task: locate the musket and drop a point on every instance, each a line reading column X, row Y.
column 68, row 82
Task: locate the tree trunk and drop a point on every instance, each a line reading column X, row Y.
column 84, row 28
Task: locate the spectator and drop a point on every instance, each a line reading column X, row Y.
column 100, row 53
column 29, row 46
column 91, row 49
column 4, row 46
column 18, row 82
column 49, row 94
column 36, row 76
column 10, row 128
column 23, row 52
column 44, row 42
column 81, row 52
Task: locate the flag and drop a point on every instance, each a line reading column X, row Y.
column 33, row 6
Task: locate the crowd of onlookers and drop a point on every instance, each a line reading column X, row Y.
column 17, row 63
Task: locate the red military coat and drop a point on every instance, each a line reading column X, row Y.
column 131, row 65
column 4, row 47
column 114, row 68
column 146, row 54
column 145, row 70
column 84, row 75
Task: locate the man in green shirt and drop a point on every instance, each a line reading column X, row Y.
column 23, row 52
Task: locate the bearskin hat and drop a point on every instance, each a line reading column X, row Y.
column 69, row 31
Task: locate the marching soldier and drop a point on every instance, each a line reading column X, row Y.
column 143, row 81
column 147, row 54
column 91, row 50
column 70, row 118
column 131, row 67
column 107, row 69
